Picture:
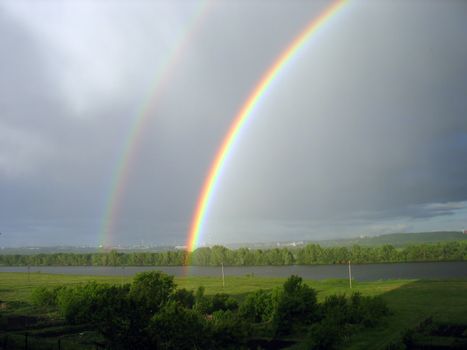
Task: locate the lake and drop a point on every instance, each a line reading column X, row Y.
column 364, row 272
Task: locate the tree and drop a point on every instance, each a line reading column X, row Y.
column 151, row 290
column 184, row 297
column 257, row 307
column 176, row 327
column 295, row 303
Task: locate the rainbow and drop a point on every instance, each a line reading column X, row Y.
column 243, row 115
column 130, row 145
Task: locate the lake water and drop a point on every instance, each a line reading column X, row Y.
column 364, row 272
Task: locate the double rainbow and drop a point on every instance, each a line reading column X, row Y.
column 130, row 145
column 243, row 115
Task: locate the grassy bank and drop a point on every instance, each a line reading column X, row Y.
column 410, row 300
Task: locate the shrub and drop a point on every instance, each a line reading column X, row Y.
column 74, row 303
column 224, row 302
column 43, row 296
column 184, row 297
column 257, row 307
column 336, row 307
column 296, row 304
column 151, row 290
column 176, row 327
column 208, row 304
column 325, row 335
column 229, row 331
column 366, row 310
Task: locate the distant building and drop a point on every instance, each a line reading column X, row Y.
column 465, row 232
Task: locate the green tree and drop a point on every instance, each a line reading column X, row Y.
column 257, row 307
column 176, row 327
column 296, row 303
column 151, row 290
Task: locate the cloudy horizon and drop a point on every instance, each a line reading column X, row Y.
column 365, row 131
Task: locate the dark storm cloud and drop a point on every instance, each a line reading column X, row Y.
column 364, row 132
column 374, row 124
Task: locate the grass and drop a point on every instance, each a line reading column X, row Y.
column 18, row 286
column 411, row 301
column 445, row 301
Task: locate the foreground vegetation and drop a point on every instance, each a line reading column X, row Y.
column 411, row 303
column 217, row 255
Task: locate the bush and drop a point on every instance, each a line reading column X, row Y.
column 366, row 311
column 74, row 303
column 151, row 290
column 206, row 305
column 340, row 317
column 257, row 307
column 176, row 327
column 119, row 319
column 325, row 335
column 43, row 296
column 229, row 331
column 184, row 297
column 296, row 304
column 224, row 302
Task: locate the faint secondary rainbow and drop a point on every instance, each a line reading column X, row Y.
column 130, row 145
column 243, row 115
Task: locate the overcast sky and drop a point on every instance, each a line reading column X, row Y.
column 365, row 131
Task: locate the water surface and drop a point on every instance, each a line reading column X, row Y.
column 364, row 272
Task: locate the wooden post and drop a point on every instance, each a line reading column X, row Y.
column 223, row 278
column 350, row 276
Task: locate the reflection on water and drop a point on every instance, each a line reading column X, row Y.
column 366, row 272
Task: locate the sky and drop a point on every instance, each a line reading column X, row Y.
column 363, row 133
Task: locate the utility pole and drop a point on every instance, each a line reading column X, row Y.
column 350, row 276
column 223, row 278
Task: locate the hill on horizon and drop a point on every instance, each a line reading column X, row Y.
column 396, row 239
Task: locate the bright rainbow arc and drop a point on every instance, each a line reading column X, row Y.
column 130, row 145
column 243, row 115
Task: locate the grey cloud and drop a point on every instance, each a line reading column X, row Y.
column 365, row 131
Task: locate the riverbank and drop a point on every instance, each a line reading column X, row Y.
column 411, row 301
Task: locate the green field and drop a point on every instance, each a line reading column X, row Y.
column 411, row 301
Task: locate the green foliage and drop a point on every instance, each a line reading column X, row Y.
column 366, row 311
column 296, row 304
column 222, row 302
column 341, row 317
column 325, row 335
column 176, row 327
column 118, row 317
column 336, row 307
column 184, row 297
column 151, row 290
column 410, row 302
column 257, row 307
column 206, row 304
column 229, row 330
column 43, row 296
column 217, row 255
column 74, row 303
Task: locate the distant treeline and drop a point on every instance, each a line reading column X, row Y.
column 217, row 255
